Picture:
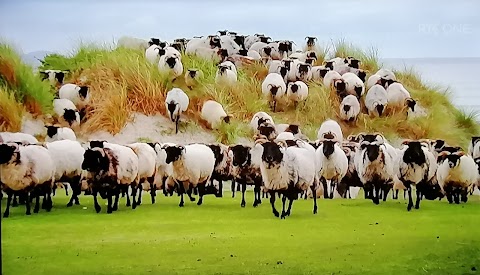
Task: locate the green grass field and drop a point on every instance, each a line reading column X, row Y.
column 220, row 237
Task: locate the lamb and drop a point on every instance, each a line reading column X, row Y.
column 67, row 113
column 332, row 165
column 374, row 165
column 286, row 170
column 192, row 77
column 113, row 167
column 376, row 100
column 53, row 76
column 28, row 169
column 474, row 147
column 354, row 85
column 349, row 108
column 67, row 156
column 297, row 91
column 133, row 43
column 192, row 165
column 214, row 114
column 245, row 172
column 456, row 173
column 146, row 167
column 17, row 137
column 330, row 129
column 416, row 166
column 79, row 95
column 258, row 118
column 55, row 133
column 273, row 87
column 399, row 97
column 225, row 76
column 170, row 63
column 176, row 103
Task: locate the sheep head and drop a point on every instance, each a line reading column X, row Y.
column 272, row 153
column 9, row 152
column 174, row 153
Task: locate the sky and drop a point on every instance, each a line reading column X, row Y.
column 397, row 29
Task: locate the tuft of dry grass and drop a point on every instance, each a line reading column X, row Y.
column 11, row 111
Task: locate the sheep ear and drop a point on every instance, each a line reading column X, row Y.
column 282, row 143
column 361, row 136
column 346, row 150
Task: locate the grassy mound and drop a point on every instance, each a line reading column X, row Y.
column 20, row 86
column 122, row 81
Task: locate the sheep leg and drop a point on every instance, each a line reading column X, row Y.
column 49, row 199
column 419, row 195
column 220, row 191
column 66, row 189
column 9, row 201
column 244, row 187
column 332, row 188
column 325, row 188
column 448, row 190
column 313, row 187
column 14, row 202
column 195, row 191
column 134, row 195
column 238, row 187
column 256, row 192
column 290, row 203
column 139, row 190
column 76, row 190
column 233, row 188
column 464, row 194
column 410, row 202
column 274, row 105
column 189, row 194
column 284, row 199
column 95, row 201
column 117, row 195
column 109, row 202
column 153, row 190
column 37, row 203
column 272, row 202
column 176, row 124
column 386, row 189
column 27, row 205
column 125, row 190
column 201, row 192
column 395, row 195
column 181, row 190
column 456, row 195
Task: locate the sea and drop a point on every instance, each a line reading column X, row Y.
column 460, row 76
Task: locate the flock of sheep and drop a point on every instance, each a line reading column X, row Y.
column 282, row 161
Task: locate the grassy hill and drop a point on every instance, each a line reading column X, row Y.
column 122, row 82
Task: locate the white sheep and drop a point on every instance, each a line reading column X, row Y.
column 297, row 91
column 176, row 103
column 473, row 147
column 227, row 42
column 254, row 54
column 193, row 166
column 67, row 113
column 330, row 77
column 214, row 114
column 258, row 118
column 303, row 72
column 67, row 156
column 273, row 88
column 79, row 95
column 53, row 76
column 192, row 77
column 274, row 66
column 284, row 136
column 291, row 128
column 301, row 56
column 286, row 170
column 225, row 76
column 382, row 73
column 55, row 133
column 376, row 100
column 24, row 167
column 399, row 97
column 153, row 53
column 132, row 43
column 17, row 137
column 230, row 66
column 216, row 55
column 354, row 85
column 319, row 72
column 331, row 164
column 349, row 108
column 163, row 170
column 456, row 174
column 330, row 129
column 170, row 63
column 146, row 167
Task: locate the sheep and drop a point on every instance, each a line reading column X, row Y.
column 225, row 76
column 258, row 118
column 319, row 72
column 176, row 103
column 79, row 95
column 303, row 72
column 297, row 91
column 354, row 85
column 163, row 170
column 376, row 100
column 374, row 165
column 245, row 172
column 17, row 137
column 133, row 43
column 415, row 163
column 474, row 147
column 53, row 76
column 227, row 42
column 67, row 156
column 330, row 77
column 192, row 77
column 223, row 166
column 214, row 114
column 27, row 169
column 349, row 108
column 285, row 48
column 331, row 164
column 311, row 42
column 286, row 170
column 274, row 66
column 310, row 61
column 382, row 73
column 254, row 54
column 230, row 66
column 216, row 55
column 301, row 56
column 170, row 63
column 273, row 87
column 113, row 167
column 67, row 113
column 55, row 133
column 146, row 167
column 291, row 128
column 456, row 173
column 211, row 41
column 351, row 179
column 192, row 165
column 266, row 130
column 153, row 54
column 330, row 129
column 399, row 97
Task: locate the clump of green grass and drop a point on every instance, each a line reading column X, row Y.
column 27, row 87
column 11, row 111
column 369, row 58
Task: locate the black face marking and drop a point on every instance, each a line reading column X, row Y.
column 340, row 86
column 177, row 46
column 283, row 71
column 161, row 52
column 241, row 155
column 154, row 41
column 368, row 137
column 354, row 63
column 329, row 65
column 414, row 153
column 226, row 119
column 362, row 75
column 266, row 130
column 411, row 104
column 260, row 121
column 323, row 72
column 94, row 161
column 312, row 55
column 283, row 47
column 162, row 44
column 294, row 129
column 373, row 151
column 271, row 153
column 380, row 109
column 44, row 75
column 328, row 147
column 173, row 153
column 97, row 143
column 240, row 40
column 171, row 61
column 6, row 153
column 311, row 41
column 439, row 144
column 215, row 42
column 303, row 68
column 294, row 88
column 70, row 116
column 83, row 92
column 267, row 50
column 346, row 108
column 243, row 52
column 192, row 73
column 51, row 131
column 310, row 61
column 224, row 53
column 274, row 90
column 287, row 63
column 453, row 160
column 217, row 153
column 475, row 140
column 171, row 108
column 59, row 76
column 264, row 39
column 358, row 91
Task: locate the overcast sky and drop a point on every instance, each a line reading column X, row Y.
column 401, row 28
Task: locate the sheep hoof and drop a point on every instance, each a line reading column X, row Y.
column 276, row 214
column 98, row 208
column 5, row 215
column 70, row 204
column 242, row 204
column 109, row 211
column 36, row 210
column 409, row 207
column 200, row 202
column 255, row 204
column 134, row 205
column 315, row 210
column 128, row 204
column 181, row 204
column 115, row 208
column 28, row 213
column 192, row 199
